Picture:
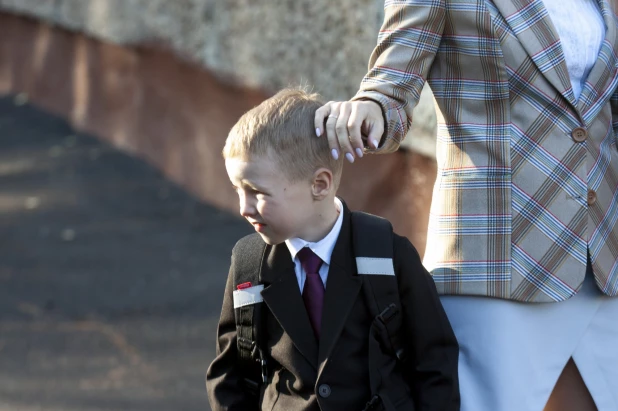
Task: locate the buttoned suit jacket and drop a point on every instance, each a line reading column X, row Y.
column 527, row 175
column 332, row 374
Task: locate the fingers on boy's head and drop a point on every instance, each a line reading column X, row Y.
column 283, row 128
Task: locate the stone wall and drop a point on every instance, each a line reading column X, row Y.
column 261, row 44
column 264, row 44
column 145, row 82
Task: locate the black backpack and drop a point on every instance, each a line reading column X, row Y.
column 372, row 242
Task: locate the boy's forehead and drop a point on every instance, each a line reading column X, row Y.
column 253, row 167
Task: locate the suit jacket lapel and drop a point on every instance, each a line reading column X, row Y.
column 283, row 298
column 533, row 27
column 342, row 288
column 602, row 79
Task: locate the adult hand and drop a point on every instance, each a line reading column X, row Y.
column 350, row 126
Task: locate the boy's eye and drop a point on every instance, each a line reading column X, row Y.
column 248, row 190
column 254, row 191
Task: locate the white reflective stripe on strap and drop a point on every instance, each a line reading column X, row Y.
column 375, row 266
column 248, row 296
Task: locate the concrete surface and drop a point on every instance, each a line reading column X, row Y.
column 110, row 276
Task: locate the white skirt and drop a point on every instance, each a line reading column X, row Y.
column 512, row 353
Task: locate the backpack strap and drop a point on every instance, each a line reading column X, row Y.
column 372, row 239
column 249, row 311
column 372, row 242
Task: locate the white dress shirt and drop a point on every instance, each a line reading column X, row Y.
column 581, row 29
column 323, row 249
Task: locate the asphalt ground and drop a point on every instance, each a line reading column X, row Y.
column 111, row 277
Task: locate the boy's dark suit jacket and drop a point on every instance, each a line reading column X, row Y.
column 333, row 375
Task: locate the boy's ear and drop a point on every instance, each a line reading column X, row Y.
column 322, row 184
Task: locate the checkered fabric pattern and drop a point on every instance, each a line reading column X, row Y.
column 517, row 200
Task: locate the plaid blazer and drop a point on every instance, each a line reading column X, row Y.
column 527, row 175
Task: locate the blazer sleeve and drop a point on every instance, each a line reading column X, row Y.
column 433, row 352
column 223, row 379
column 399, row 65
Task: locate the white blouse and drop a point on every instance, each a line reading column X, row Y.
column 581, row 30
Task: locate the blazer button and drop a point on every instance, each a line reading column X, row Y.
column 579, row 134
column 324, row 390
column 592, row 197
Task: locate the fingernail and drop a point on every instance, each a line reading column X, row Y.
column 350, row 157
column 375, row 143
column 359, row 153
column 335, row 154
column 318, row 132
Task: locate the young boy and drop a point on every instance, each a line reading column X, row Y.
column 307, row 338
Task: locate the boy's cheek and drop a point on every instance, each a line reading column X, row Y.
column 264, row 209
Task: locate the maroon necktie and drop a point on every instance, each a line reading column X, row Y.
column 313, row 292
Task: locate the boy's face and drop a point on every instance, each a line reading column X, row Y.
column 277, row 208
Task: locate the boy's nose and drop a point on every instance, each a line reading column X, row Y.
column 246, row 208
column 244, row 211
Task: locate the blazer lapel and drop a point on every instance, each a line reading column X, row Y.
column 533, row 27
column 284, row 300
column 342, row 288
column 602, row 79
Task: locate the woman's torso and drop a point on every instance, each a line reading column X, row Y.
column 527, row 172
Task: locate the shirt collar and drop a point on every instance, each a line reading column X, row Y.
column 324, row 247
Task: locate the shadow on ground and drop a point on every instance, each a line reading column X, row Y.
column 110, row 276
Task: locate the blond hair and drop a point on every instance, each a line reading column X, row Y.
column 283, row 128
